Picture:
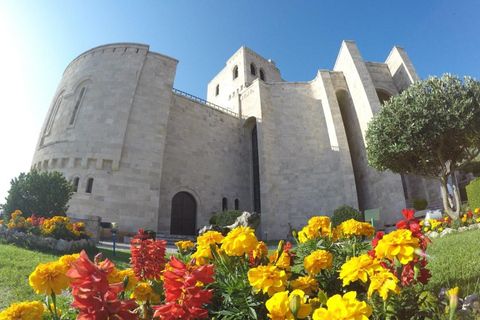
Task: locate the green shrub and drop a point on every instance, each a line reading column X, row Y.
column 344, row 213
column 473, row 193
column 213, row 219
column 420, row 204
column 228, row 217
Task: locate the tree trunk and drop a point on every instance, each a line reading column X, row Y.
column 452, row 213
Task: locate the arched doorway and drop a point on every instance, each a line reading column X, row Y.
column 184, row 212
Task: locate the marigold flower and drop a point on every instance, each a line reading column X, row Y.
column 353, row 227
column 383, row 282
column 318, row 261
column 66, row 259
column 268, row 279
column 307, row 284
column 239, row 241
column 359, row 268
column 400, row 244
column 48, row 277
column 184, row 245
column 279, row 305
column 261, row 250
column 143, row 292
column 23, row 311
column 202, row 256
column 117, row 276
column 210, row 237
column 343, row 308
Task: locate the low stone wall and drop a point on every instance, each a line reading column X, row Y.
column 13, row 236
column 434, row 234
column 92, row 223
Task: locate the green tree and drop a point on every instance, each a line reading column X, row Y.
column 430, row 130
column 45, row 194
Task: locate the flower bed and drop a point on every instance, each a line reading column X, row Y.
column 331, row 274
column 56, row 233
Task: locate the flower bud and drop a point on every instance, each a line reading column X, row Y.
column 295, row 303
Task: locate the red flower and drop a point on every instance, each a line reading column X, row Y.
column 408, row 273
column 409, row 221
column 148, row 256
column 184, row 298
column 105, row 306
column 89, row 278
column 469, row 214
column 94, row 297
column 36, row 222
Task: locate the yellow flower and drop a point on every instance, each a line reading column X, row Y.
column 66, row 259
column 399, row 243
column 49, row 277
column 23, row 311
column 317, row 261
column 239, row 241
column 319, row 222
column 143, row 292
column 440, row 229
column 425, row 229
column 283, row 262
column 422, row 222
column 383, row 282
column 117, row 276
column 353, row 227
column 261, row 250
column 268, row 279
column 307, row 284
column 184, row 245
column 279, row 306
column 343, row 308
column 477, row 210
column 358, row 268
column 307, row 233
column 202, row 255
column 209, row 237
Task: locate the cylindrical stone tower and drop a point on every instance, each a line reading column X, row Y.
column 105, row 131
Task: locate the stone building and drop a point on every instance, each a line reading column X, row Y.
column 146, row 155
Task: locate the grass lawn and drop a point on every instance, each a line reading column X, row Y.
column 16, row 264
column 454, row 261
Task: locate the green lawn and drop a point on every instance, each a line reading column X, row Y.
column 16, row 264
column 454, row 261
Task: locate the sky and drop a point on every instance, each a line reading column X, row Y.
column 40, row 38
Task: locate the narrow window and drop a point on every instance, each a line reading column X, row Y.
column 256, row 172
column 224, row 204
column 217, row 90
column 77, row 105
column 235, row 72
column 75, row 184
column 262, row 75
column 49, row 126
column 89, row 185
column 253, row 70
column 236, row 204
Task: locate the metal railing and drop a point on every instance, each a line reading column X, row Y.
column 205, row 102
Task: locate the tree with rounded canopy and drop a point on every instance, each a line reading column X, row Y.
column 430, row 130
column 44, row 194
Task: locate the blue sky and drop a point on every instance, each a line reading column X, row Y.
column 40, row 38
